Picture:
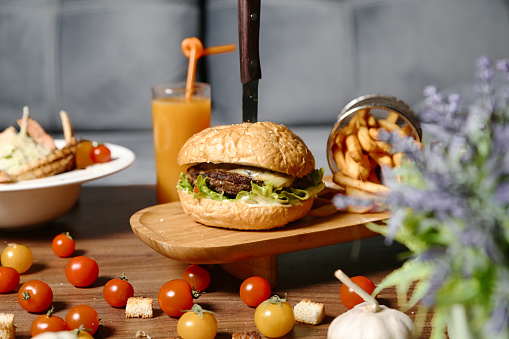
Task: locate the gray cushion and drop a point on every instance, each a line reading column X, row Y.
column 96, row 59
column 318, row 55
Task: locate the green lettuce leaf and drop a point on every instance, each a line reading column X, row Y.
column 265, row 194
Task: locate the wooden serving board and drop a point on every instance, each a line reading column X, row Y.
column 169, row 231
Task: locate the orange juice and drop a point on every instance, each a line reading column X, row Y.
column 174, row 121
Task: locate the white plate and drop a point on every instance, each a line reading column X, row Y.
column 40, row 200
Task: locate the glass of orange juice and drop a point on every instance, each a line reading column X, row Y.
column 175, row 118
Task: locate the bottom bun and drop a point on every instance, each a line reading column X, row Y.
column 240, row 215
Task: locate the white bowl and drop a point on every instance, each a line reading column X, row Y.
column 37, row 201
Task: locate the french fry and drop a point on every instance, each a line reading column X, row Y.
column 367, row 144
column 359, row 153
column 392, row 117
column 384, row 147
column 391, row 127
column 354, row 147
column 341, row 135
column 382, row 159
column 397, row 159
column 352, row 166
column 358, row 193
column 373, row 133
column 343, row 180
column 352, row 124
column 375, row 206
column 364, row 195
column 358, row 209
column 364, row 167
column 362, row 114
column 340, row 138
column 361, row 121
column 339, row 158
column 372, row 121
column 407, row 129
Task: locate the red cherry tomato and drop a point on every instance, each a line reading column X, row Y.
column 9, row 279
column 175, row 297
column 117, row 291
column 63, row 245
column 35, row 296
column 254, row 290
column 100, row 154
column 82, row 315
column 197, row 277
column 82, row 271
column 47, row 323
column 349, row 298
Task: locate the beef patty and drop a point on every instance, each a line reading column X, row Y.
column 229, row 183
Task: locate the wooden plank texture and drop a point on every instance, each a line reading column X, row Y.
column 100, row 225
column 169, row 231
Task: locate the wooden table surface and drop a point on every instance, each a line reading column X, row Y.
column 100, row 226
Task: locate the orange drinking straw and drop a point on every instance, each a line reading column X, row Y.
column 193, row 49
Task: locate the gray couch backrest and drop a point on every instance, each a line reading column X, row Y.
column 98, row 58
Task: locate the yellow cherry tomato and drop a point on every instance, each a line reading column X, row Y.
column 19, row 257
column 197, row 324
column 84, row 335
column 274, row 317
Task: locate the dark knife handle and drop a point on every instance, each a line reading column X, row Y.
column 249, row 36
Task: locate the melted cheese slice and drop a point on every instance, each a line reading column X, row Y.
column 278, row 179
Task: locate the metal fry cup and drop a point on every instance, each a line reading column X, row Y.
column 380, row 106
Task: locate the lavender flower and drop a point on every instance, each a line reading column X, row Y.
column 449, row 202
column 442, row 272
column 500, row 316
column 501, row 195
column 503, row 66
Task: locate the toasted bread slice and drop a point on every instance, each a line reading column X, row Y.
column 309, row 312
column 246, row 335
column 139, row 307
column 7, row 328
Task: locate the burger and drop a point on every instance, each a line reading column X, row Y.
column 249, row 176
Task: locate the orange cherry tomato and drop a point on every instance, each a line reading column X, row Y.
column 82, row 315
column 197, row 277
column 35, row 296
column 63, row 245
column 47, row 323
column 100, row 154
column 254, row 290
column 117, row 291
column 9, row 279
column 349, row 298
column 175, row 296
column 81, row 271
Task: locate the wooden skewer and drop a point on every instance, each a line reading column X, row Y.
column 24, row 119
column 67, row 127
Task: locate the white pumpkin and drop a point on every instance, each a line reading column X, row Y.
column 56, row 335
column 369, row 320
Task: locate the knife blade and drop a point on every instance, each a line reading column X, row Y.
column 250, row 69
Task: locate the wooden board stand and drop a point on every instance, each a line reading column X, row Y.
column 169, row 231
